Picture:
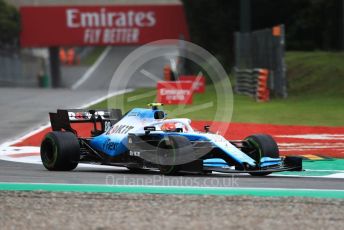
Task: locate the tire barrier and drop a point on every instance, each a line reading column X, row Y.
column 264, row 49
column 253, row 82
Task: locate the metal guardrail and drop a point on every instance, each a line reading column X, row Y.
column 19, row 69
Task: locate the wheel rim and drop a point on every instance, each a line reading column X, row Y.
column 165, row 169
column 49, row 152
column 258, row 152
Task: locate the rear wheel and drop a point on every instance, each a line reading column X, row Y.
column 168, row 151
column 60, row 151
column 259, row 146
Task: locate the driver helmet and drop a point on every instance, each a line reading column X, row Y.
column 168, row 126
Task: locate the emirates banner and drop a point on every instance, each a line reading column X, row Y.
column 101, row 25
column 174, row 92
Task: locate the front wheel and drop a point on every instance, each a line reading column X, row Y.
column 172, row 151
column 259, row 146
column 60, row 151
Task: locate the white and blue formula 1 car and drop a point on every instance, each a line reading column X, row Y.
column 145, row 139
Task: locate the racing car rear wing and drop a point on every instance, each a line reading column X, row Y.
column 62, row 119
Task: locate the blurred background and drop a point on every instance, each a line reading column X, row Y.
column 285, row 53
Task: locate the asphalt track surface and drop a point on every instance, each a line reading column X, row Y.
column 103, row 75
column 30, row 173
column 22, row 109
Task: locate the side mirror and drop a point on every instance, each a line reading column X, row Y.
column 148, row 129
column 179, row 130
column 206, row 128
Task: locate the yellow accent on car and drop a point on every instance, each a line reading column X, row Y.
column 312, row 157
column 155, row 104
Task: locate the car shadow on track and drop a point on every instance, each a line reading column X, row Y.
column 125, row 171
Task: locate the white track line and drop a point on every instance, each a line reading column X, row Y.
column 90, row 71
column 336, row 175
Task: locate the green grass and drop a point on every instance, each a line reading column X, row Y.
column 93, row 56
column 316, row 74
column 316, row 96
column 316, row 111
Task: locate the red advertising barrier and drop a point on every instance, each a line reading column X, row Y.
column 198, row 82
column 174, row 92
column 101, row 25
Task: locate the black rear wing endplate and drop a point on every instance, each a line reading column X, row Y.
column 62, row 119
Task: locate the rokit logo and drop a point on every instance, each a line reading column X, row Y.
column 105, row 26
